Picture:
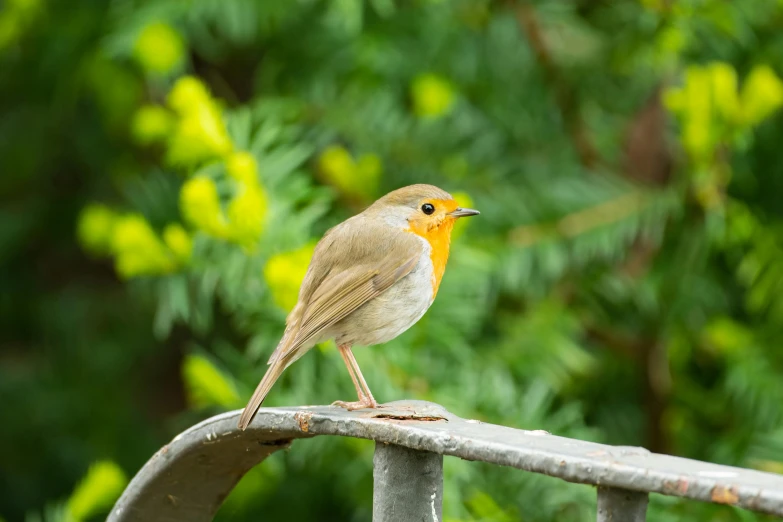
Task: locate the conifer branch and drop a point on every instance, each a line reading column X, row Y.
column 582, row 221
column 565, row 98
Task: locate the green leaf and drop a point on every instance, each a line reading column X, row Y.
column 206, row 385
column 97, row 491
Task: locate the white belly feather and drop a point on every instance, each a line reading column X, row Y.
column 391, row 313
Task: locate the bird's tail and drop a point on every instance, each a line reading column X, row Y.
column 272, row 374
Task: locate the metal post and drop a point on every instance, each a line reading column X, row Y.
column 408, row 485
column 621, row 505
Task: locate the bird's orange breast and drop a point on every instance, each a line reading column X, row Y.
column 439, row 238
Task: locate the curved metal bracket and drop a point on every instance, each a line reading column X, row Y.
column 189, row 477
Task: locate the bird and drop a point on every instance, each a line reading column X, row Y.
column 371, row 278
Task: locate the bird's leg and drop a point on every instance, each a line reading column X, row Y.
column 366, row 399
column 367, row 392
column 344, row 350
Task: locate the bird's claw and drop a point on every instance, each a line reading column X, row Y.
column 356, row 405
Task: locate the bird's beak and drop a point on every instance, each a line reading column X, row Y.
column 463, row 212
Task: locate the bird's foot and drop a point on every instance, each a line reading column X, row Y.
column 356, row 405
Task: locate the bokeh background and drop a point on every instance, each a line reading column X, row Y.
column 168, row 165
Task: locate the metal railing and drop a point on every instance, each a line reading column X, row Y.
column 188, row 478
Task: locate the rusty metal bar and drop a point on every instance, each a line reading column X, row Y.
column 407, row 485
column 621, row 505
column 189, row 477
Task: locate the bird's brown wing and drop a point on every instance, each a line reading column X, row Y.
column 354, row 262
column 361, row 268
column 342, row 293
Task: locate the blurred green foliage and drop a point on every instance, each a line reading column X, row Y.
column 168, row 165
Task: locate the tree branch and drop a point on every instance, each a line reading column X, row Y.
column 581, row 221
column 564, row 95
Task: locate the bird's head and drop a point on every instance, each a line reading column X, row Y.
column 422, row 209
column 428, row 212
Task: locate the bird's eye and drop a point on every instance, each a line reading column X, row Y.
column 427, row 208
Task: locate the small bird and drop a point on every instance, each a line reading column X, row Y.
column 370, row 279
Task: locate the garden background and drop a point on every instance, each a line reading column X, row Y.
column 168, row 165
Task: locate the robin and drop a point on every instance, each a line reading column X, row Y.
column 370, row 279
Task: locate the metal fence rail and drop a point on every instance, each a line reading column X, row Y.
column 188, row 479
